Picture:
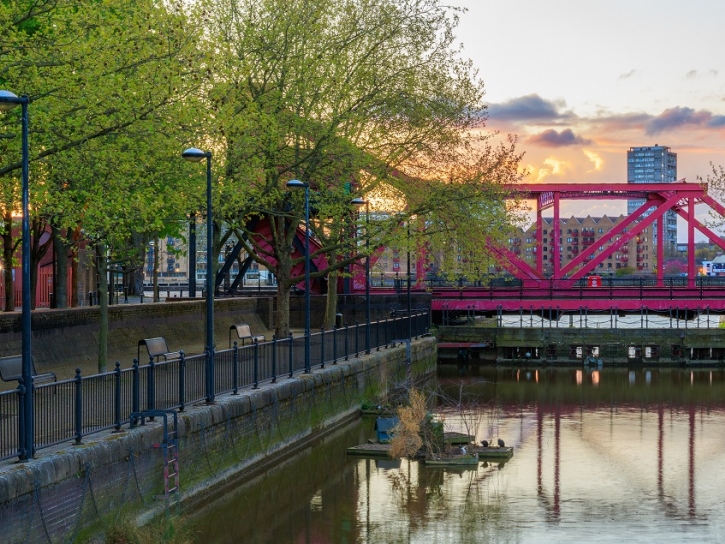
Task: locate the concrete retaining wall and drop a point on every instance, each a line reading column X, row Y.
column 74, row 491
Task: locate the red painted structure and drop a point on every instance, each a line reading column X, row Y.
column 571, row 288
column 680, row 197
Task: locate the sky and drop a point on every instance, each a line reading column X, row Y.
column 580, row 82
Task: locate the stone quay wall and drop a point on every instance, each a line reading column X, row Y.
column 72, row 492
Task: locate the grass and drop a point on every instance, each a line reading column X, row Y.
column 159, row 531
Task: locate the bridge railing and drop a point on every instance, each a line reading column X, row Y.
column 593, row 280
column 69, row 410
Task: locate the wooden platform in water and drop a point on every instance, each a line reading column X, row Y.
column 492, row 452
column 458, row 438
column 453, row 461
column 370, row 450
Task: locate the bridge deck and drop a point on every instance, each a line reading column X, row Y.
column 593, row 298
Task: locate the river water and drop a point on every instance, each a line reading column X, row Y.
column 608, row 455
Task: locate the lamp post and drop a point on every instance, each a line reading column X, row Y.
column 360, row 202
column 297, row 184
column 8, row 101
column 410, row 321
column 197, row 155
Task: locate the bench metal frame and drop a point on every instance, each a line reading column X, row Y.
column 11, row 369
column 157, row 348
column 244, row 332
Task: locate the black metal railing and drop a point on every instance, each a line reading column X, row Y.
column 70, row 409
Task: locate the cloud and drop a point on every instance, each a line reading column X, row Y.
column 713, row 73
column 552, row 138
column 692, row 74
column 527, row 108
column 628, row 74
column 678, row 117
column 596, row 159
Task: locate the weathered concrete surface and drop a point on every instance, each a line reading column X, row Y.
column 62, row 492
column 65, row 339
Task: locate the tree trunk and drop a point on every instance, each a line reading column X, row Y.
column 282, row 321
column 331, row 299
column 156, row 269
column 60, row 292
column 7, row 236
column 102, row 270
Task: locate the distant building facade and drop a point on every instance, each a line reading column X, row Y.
column 577, row 234
column 653, row 164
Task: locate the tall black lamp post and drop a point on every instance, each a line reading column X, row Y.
column 360, row 202
column 8, row 101
column 297, row 184
column 197, row 155
column 410, row 320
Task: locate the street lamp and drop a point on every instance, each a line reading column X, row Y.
column 297, row 184
column 8, row 101
column 410, row 321
column 197, row 155
column 360, row 202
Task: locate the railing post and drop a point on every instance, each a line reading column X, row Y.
column 22, row 446
column 79, row 406
column 256, row 364
column 386, row 332
column 377, row 334
column 322, row 347
column 211, row 387
column 347, row 333
column 117, row 396
column 235, row 369
column 291, row 346
column 274, row 358
column 151, row 385
column 135, row 391
column 334, row 344
column 182, row 380
column 357, row 338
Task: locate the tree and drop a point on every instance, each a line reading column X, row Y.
column 357, row 98
column 98, row 74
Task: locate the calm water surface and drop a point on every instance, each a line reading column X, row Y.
column 614, row 455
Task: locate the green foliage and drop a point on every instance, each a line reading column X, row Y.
column 356, row 97
column 155, row 532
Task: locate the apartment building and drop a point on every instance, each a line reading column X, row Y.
column 577, row 234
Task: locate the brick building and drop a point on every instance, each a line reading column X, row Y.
column 577, row 234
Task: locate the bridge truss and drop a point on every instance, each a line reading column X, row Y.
column 567, row 291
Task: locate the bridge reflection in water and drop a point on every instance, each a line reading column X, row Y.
column 604, row 455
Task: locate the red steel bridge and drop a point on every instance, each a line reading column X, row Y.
column 568, row 289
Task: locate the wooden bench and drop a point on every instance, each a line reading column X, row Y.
column 244, row 333
column 11, row 369
column 156, row 348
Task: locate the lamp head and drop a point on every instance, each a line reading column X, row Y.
column 194, row 154
column 8, row 100
column 296, row 184
column 357, row 201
